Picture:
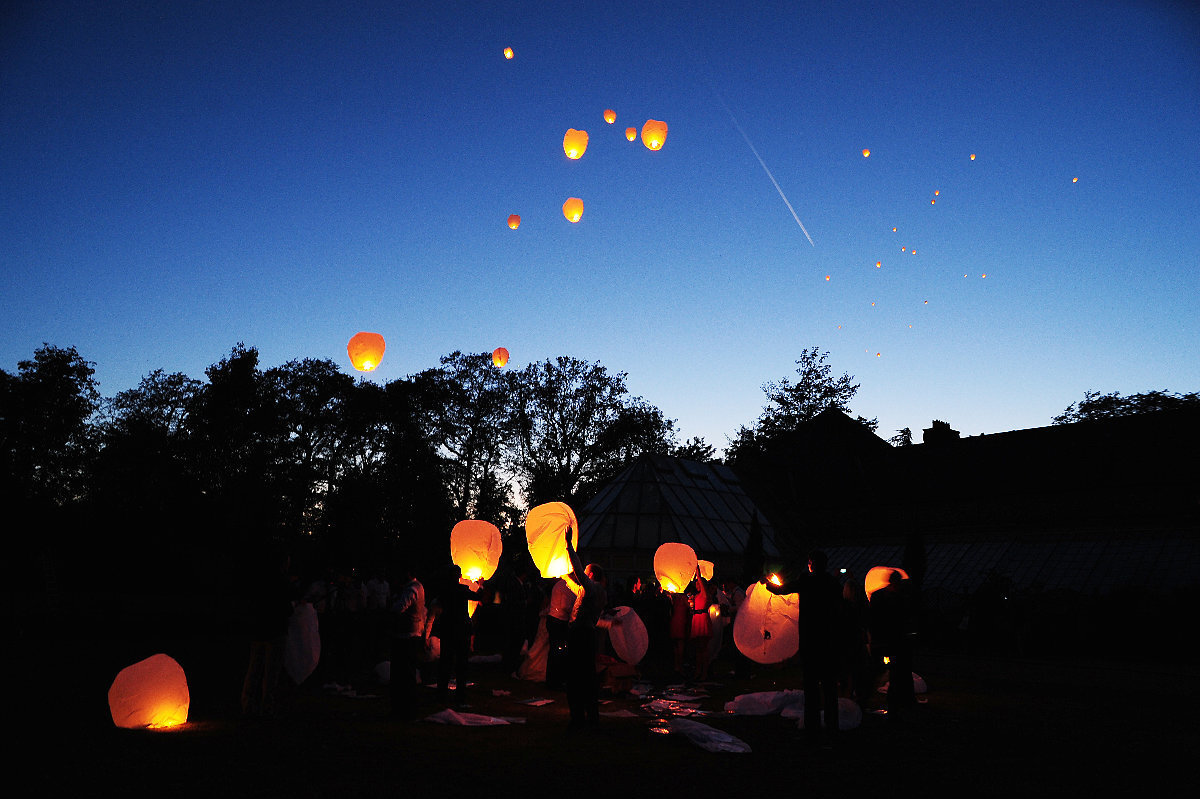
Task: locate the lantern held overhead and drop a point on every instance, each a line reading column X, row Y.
column 879, row 577
column 514, row 221
column 575, row 143
column 706, row 569
column 151, row 693
column 365, row 350
column 545, row 526
column 475, row 547
column 654, row 134
column 573, row 209
column 675, row 566
column 499, row 356
column 766, row 628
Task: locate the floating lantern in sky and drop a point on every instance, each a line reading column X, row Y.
column 499, row 356
column 631, row 133
column 879, row 577
column 827, row 277
column 936, row 192
column 151, row 693
column 893, row 230
column 972, row 156
column 1074, row 180
column 508, row 53
column 610, row 116
column 545, row 526
column 879, row 264
column 475, row 548
column 675, row 566
column 654, row 134
column 573, row 209
column 933, row 202
column 766, row 628
column 514, row 221
column 866, row 153
column 365, row 350
column 575, row 143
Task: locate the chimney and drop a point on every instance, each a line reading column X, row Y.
column 938, row 433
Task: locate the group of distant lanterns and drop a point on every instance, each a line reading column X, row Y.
column 366, row 352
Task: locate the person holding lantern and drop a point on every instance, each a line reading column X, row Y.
column 583, row 686
column 407, row 642
column 455, row 635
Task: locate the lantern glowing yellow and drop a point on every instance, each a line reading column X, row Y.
column 654, row 134
column 706, row 568
column 972, row 156
column 514, row 221
column 766, row 628
column 545, row 526
column 508, row 53
column 573, row 209
column 151, row 693
column 631, row 133
column 499, row 356
column 879, row 577
column 1074, row 180
column 365, row 350
column 475, row 548
column 866, row 153
column 610, row 116
column 575, row 143
column 675, row 566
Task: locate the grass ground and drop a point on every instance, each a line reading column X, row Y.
column 988, row 727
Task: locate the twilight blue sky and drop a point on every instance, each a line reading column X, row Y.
column 177, row 177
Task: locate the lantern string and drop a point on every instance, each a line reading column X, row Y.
column 764, row 166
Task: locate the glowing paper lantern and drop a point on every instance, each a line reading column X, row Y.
column 573, row 209
column 365, row 350
column 631, row 133
column 1074, row 180
column 150, row 693
column 508, row 53
column 674, row 566
column 972, row 156
column 628, row 635
column 767, row 626
column 654, row 134
column 499, row 356
column 575, row 143
column 706, row 568
column 514, row 221
column 880, row 577
column 610, row 116
column 302, row 647
column 475, row 548
column 544, row 529
column 866, row 153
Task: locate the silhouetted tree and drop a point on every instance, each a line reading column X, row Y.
column 695, row 449
column 1095, row 405
column 903, row 438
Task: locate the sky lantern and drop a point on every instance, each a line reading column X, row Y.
column 508, row 53
column 654, row 134
column 766, row 628
column 706, row 568
column 628, row 634
column 879, row 576
column 575, row 143
column 972, row 156
column 866, row 153
column 631, row 133
column 1074, row 180
column 610, row 116
column 674, row 566
column 152, row 693
column 545, row 526
column 475, row 548
column 573, row 209
column 365, row 350
column 499, row 356
column 514, row 221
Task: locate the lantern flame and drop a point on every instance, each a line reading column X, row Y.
column 774, row 579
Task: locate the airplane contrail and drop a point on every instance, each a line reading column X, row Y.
column 765, row 169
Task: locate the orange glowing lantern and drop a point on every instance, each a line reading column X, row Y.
column 631, row 133
column 475, row 548
column 610, row 116
column 879, row 577
column 654, row 134
column 151, row 693
column 514, row 221
column 573, row 209
column 972, row 156
column 766, row 628
column 706, row 569
column 508, row 53
column 675, row 566
column 1074, row 180
column 866, row 153
column 575, row 143
column 499, row 356
column 545, row 527
column 365, row 350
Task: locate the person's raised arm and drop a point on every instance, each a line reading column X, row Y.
column 576, row 563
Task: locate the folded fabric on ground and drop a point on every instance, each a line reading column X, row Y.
column 708, row 738
column 455, row 718
column 764, row 703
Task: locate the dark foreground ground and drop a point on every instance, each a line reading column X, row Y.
column 987, row 727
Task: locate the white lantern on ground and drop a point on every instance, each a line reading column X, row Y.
column 152, row 693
